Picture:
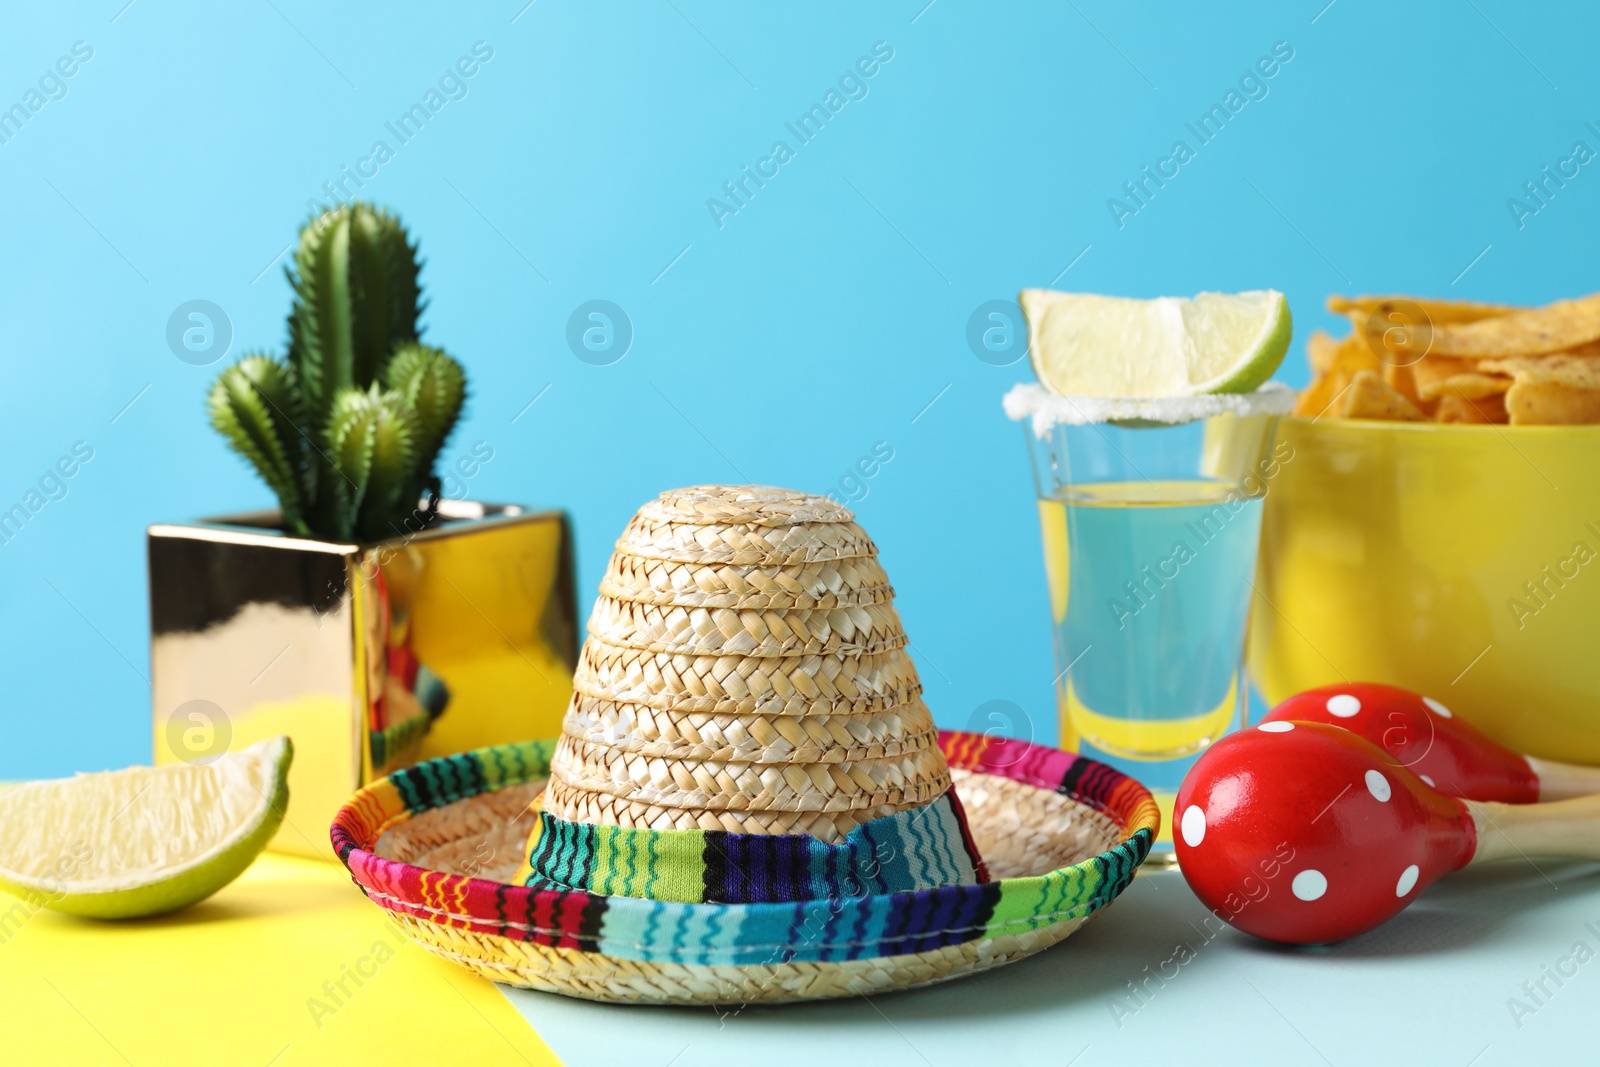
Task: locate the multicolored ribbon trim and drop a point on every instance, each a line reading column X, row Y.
column 832, row 930
column 923, row 848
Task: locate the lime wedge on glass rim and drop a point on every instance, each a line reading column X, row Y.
column 1107, row 346
column 145, row 840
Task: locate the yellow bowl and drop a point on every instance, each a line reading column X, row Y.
column 1459, row 561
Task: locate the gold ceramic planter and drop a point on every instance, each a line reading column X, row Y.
column 369, row 656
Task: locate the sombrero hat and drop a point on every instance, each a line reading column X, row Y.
column 749, row 801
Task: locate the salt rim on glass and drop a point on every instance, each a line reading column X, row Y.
column 1048, row 410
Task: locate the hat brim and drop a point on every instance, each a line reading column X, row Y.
column 1028, row 806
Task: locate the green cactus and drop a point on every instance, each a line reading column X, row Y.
column 433, row 386
column 256, row 405
column 347, row 430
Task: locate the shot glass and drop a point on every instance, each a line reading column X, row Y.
column 1150, row 513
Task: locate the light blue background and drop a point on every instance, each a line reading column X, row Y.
column 823, row 317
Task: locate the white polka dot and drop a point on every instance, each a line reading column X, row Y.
column 1194, row 825
column 1378, row 786
column 1276, row 727
column 1309, row 885
column 1438, row 708
column 1425, row 778
column 1407, row 882
column 1343, row 705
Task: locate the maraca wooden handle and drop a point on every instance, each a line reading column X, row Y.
column 1558, row 781
column 1564, row 828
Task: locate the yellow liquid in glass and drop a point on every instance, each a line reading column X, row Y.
column 1149, row 592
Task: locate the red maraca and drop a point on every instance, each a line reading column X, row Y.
column 1447, row 753
column 1307, row 833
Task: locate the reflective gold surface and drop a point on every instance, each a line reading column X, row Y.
column 352, row 650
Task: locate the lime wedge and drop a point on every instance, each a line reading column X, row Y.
column 142, row 841
column 1108, row 346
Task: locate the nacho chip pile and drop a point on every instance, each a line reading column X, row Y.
column 1451, row 361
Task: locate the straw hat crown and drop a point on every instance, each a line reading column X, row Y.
column 745, row 671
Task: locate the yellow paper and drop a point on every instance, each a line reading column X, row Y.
column 288, row 965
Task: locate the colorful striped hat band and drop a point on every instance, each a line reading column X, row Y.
column 922, row 848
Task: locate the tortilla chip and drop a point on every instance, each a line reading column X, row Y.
column 1547, row 403
column 1333, row 364
column 1439, row 376
column 1490, row 409
column 1322, row 391
column 1458, row 362
column 1370, row 397
column 1562, row 325
column 1352, row 355
column 1399, row 333
column 1440, row 312
column 1574, row 372
column 1477, row 386
column 1320, row 349
column 1402, row 379
column 1432, row 373
column 1588, row 351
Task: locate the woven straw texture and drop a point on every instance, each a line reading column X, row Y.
column 797, row 685
column 841, row 583
column 745, row 544
column 745, row 671
column 739, row 631
column 701, row 735
column 588, row 976
column 747, row 505
column 1063, row 834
